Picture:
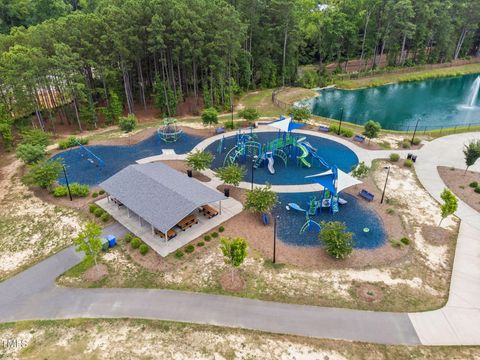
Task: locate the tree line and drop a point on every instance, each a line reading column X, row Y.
column 73, row 60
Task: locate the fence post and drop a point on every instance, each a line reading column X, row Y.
column 441, row 130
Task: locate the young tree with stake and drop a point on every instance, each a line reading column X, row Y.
column 234, row 251
column 89, row 241
column 449, row 206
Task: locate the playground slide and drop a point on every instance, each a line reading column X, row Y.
column 314, row 154
column 303, row 157
column 270, row 164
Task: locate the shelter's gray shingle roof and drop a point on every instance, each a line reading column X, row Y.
column 159, row 194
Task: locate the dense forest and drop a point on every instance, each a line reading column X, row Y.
column 76, row 60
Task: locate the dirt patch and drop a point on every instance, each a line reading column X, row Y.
column 96, row 273
column 150, row 261
column 369, row 293
column 232, row 281
column 436, row 235
column 458, row 181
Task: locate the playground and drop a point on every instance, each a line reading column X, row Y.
column 93, row 164
column 281, row 157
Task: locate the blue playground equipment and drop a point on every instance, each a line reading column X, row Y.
column 310, row 224
column 286, row 146
column 86, row 154
column 169, row 132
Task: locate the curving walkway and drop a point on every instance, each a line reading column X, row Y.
column 33, row 294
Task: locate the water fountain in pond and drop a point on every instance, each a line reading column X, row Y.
column 472, row 97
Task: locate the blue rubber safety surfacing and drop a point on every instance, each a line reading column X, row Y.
column 354, row 214
column 293, row 174
column 80, row 170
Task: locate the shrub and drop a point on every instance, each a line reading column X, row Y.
column 209, row 116
column 405, row 241
column 360, row 171
column 345, row 132
column 44, row 173
column 261, row 200
column 207, row 238
column 416, row 141
column 95, row 194
column 299, row 113
column 101, row 192
column 390, row 211
column 200, row 160
column 79, row 190
column 127, row 123
column 36, row 137
column 394, row 157
column 136, row 242
column 189, row 249
column 200, row 244
column 408, row 163
column 221, row 229
column 98, row 212
column 397, row 243
column 249, row 114
column 371, row 129
column 214, row 235
column 143, row 249
column 473, row 184
column 92, row 208
column 71, row 141
column 338, row 242
column 405, row 144
column 29, row 153
column 128, row 238
column 477, row 190
column 105, row 217
column 231, row 174
column 179, row 254
column 60, row 191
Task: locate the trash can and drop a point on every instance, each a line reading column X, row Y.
column 112, row 240
column 105, row 244
column 189, row 173
column 226, row 192
column 414, row 158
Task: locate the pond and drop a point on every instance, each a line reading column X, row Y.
column 435, row 103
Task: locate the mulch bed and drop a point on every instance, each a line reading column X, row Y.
column 369, row 293
column 458, row 180
column 259, row 237
column 96, row 273
column 436, row 235
column 229, row 283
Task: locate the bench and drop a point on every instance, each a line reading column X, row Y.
column 208, row 211
column 359, row 138
column 170, row 233
column 219, row 130
column 187, row 222
column 366, row 195
column 324, row 128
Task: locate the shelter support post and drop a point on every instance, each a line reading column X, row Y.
column 153, row 229
column 128, row 212
column 220, row 206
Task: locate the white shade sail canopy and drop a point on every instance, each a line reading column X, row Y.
column 283, row 124
column 344, row 180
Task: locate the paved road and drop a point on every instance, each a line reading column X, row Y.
column 32, row 294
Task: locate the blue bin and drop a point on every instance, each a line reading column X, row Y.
column 112, row 240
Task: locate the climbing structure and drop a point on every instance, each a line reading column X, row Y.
column 169, row 132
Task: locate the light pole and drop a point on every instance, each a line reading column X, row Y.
column 66, row 182
column 414, row 131
column 275, row 237
column 340, row 126
column 385, row 186
column 253, row 169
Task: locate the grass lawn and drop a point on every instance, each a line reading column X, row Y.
column 148, row 339
column 398, row 77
